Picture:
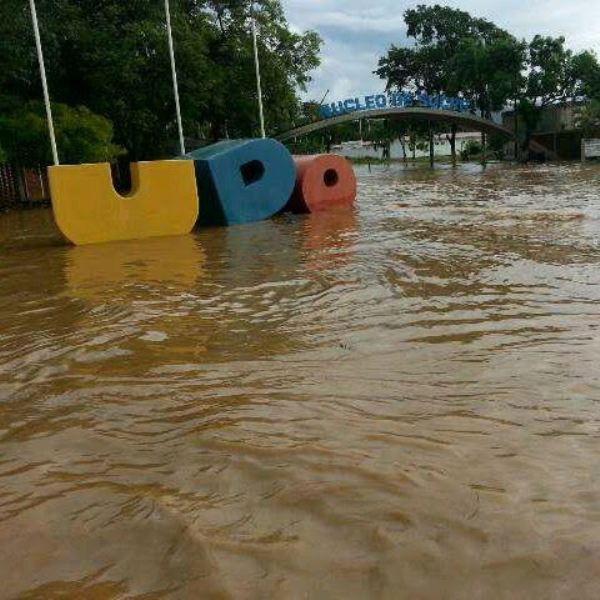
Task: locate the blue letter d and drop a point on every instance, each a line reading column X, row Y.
column 241, row 181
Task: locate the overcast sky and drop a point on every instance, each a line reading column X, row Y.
column 358, row 32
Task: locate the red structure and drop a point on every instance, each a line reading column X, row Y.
column 322, row 182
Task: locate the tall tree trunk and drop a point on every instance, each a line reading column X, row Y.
column 483, row 149
column 452, row 139
column 403, row 146
column 431, row 147
column 525, row 152
column 216, row 130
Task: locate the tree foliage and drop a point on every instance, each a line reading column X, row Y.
column 455, row 53
column 588, row 119
column 555, row 75
column 458, row 54
column 488, row 73
column 82, row 136
column 112, row 57
column 549, row 78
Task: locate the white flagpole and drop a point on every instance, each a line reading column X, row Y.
column 174, row 72
column 40, row 53
column 261, row 112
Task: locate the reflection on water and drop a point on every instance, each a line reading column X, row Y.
column 328, row 238
column 121, row 269
column 401, row 400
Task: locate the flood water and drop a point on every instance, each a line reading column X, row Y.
column 399, row 401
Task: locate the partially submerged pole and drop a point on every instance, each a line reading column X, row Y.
column 516, row 128
column 174, row 74
column 40, row 54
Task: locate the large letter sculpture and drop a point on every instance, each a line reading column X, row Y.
column 322, row 182
column 241, row 181
column 88, row 210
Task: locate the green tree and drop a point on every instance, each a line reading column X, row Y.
column 432, row 25
column 112, row 57
column 549, row 79
column 588, row 119
column 286, row 60
column 82, row 136
column 555, row 75
column 488, row 73
column 585, row 72
column 454, row 53
column 417, row 68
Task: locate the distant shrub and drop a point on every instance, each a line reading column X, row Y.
column 470, row 149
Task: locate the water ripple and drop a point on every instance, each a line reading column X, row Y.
column 357, row 404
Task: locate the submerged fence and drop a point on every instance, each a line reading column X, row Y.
column 20, row 187
column 9, row 189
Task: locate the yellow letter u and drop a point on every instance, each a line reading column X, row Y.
column 88, row 210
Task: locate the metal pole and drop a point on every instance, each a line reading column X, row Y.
column 174, row 72
column 517, row 144
column 261, row 112
column 40, row 53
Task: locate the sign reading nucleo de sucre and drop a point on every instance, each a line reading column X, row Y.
column 395, row 100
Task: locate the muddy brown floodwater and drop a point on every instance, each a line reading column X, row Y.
column 400, row 401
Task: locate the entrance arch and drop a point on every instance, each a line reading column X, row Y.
column 464, row 120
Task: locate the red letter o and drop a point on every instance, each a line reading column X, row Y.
column 322, row 181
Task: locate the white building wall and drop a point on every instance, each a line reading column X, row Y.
column 357, row 149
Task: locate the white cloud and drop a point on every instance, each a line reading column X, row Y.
column 357, row 33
